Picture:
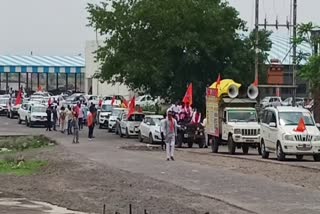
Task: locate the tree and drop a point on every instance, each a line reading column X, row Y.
column 311, row 70
column 159, row 47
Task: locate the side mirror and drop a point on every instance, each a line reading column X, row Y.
column 272, row 125
column 318, row 125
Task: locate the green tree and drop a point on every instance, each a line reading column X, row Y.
column 311, row 70
column 159, row 47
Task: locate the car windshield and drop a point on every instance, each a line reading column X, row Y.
column 39, row 109
column 116, row 112
column 107, row 98
column 242, row 116
column 106, row 108
column 293, row 118
column 136, row 117
column 3, row 101
column 155, row 121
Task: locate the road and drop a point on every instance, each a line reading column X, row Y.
column 244, row 183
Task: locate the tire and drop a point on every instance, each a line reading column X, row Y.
column 264, row 153
column 151, row 141
column 127, row 133
column 27, row 121
column 30, row 124
column 116, row 131
column 259, row 149
column 299, row 157
column 215, row 145
column 140, row 137
column 8, row 114
column 280, row 155
column 201, row 143
column 245, row 149
column 316, row 157
column 100, row 126
column 109, row 130
column 19, row 119
column 179, row 141
column 231, row 145
column 11, row 115
column 190, row 144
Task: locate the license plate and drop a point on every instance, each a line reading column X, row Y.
column 250, row 141
column 186, row 135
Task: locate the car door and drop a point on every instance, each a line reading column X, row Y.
column 271, row 133
column 143, row 126
column 264, row 127
column 123, row 123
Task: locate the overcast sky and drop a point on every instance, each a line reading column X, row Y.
column 58, row 27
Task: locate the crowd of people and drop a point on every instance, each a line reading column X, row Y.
column 183, row 112
column 71, row 119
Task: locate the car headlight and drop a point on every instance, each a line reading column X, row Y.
column 316, row 138
column 237, row 131
column 157, row 131
column 288, row 137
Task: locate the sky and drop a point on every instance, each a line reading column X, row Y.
column 58, row 27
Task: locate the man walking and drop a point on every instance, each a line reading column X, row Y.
column 90, row 124
column 48, row 111
column 75, row 124
column 170, row 133
column 54, row 117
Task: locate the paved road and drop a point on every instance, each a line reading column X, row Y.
column 251, row 193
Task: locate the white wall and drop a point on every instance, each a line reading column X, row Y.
column 97, row 87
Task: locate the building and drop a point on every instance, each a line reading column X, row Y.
column 55, row 74
column 94, row 86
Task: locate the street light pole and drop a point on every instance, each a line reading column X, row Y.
column 294, row 72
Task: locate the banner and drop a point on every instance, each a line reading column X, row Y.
column 213, row 116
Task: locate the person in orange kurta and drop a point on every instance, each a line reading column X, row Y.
column 90, row 123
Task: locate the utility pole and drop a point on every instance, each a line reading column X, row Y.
column 256, row 65
column 294, row 72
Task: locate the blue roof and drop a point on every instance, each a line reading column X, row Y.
column 42, row 64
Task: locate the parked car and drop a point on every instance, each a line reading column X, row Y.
column 270, row 101
column 146, row 100
column 112, row 121
column 92, row 99
column 23, row 111
column 74, row 99
column 117, row 99
column 129, row 126
column 288, row 101
column 36, row 115
column 105, row 112
column 118, row 121
column 3, row 106
column 279, row 134
column 150, row 129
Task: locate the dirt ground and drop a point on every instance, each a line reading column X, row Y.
column 79, row 184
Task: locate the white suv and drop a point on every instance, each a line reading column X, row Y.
column 279, row 134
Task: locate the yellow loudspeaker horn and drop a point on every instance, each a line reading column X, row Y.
column 253, row 92
column 227, row 87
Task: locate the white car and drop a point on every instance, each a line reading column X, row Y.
column 92, row 99
column 130, row 126
column 23, row 111
column 288, row 101
column 112, row 121
column 104, row 113
column 279, row 134
column 150, row 129
column 4, row 106
column 146, row 100
column 37, row 115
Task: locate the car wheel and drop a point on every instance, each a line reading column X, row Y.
column 151, row 139
column 109, row 130
column 231, row 145
column 280, row 155
column 316, row 157
column 299, row 157
column 8, row 114
column 19, row 119
column 259, row 149
column 245, row 149
column 116, row 131
column 120, row 132
column 26, row 121
column 215, row 145
column 127, row 133
column 30, row 124
column 264, row 153
column 140, row 137
column 201, row 143
column 190, row 144
column 100, row 126
column 11, row 115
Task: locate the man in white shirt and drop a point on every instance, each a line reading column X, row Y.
column 204, row 124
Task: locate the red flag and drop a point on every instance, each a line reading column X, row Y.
column 49, row 102
column 100, row 102
column 113, row 100
column 132, row 106
column 39, row 88
column 216, row 91
column 256, row 82
column 301, row 126
column 19, row 98
column 188, row 96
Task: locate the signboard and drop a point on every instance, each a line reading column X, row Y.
column 213, row 116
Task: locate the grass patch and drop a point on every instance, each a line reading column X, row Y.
column 22, row 143
column 27, row 168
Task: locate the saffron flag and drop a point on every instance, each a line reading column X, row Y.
column 113, row 100
column 40, row 88
column 301, row 126
column 100, row 102
column 132, row 106
column 216, row 91
column 19, row 98
column 256, row 82
column 125, row 103
column 188, row 97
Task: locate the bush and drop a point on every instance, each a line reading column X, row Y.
column 21, row 143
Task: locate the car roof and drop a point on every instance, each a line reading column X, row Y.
column 154, row 116
column 288, row 109
column 240, row 108
column 38, row 105
column 119, row 109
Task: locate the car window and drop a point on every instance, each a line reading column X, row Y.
column 271, row 117
column 265, row 117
